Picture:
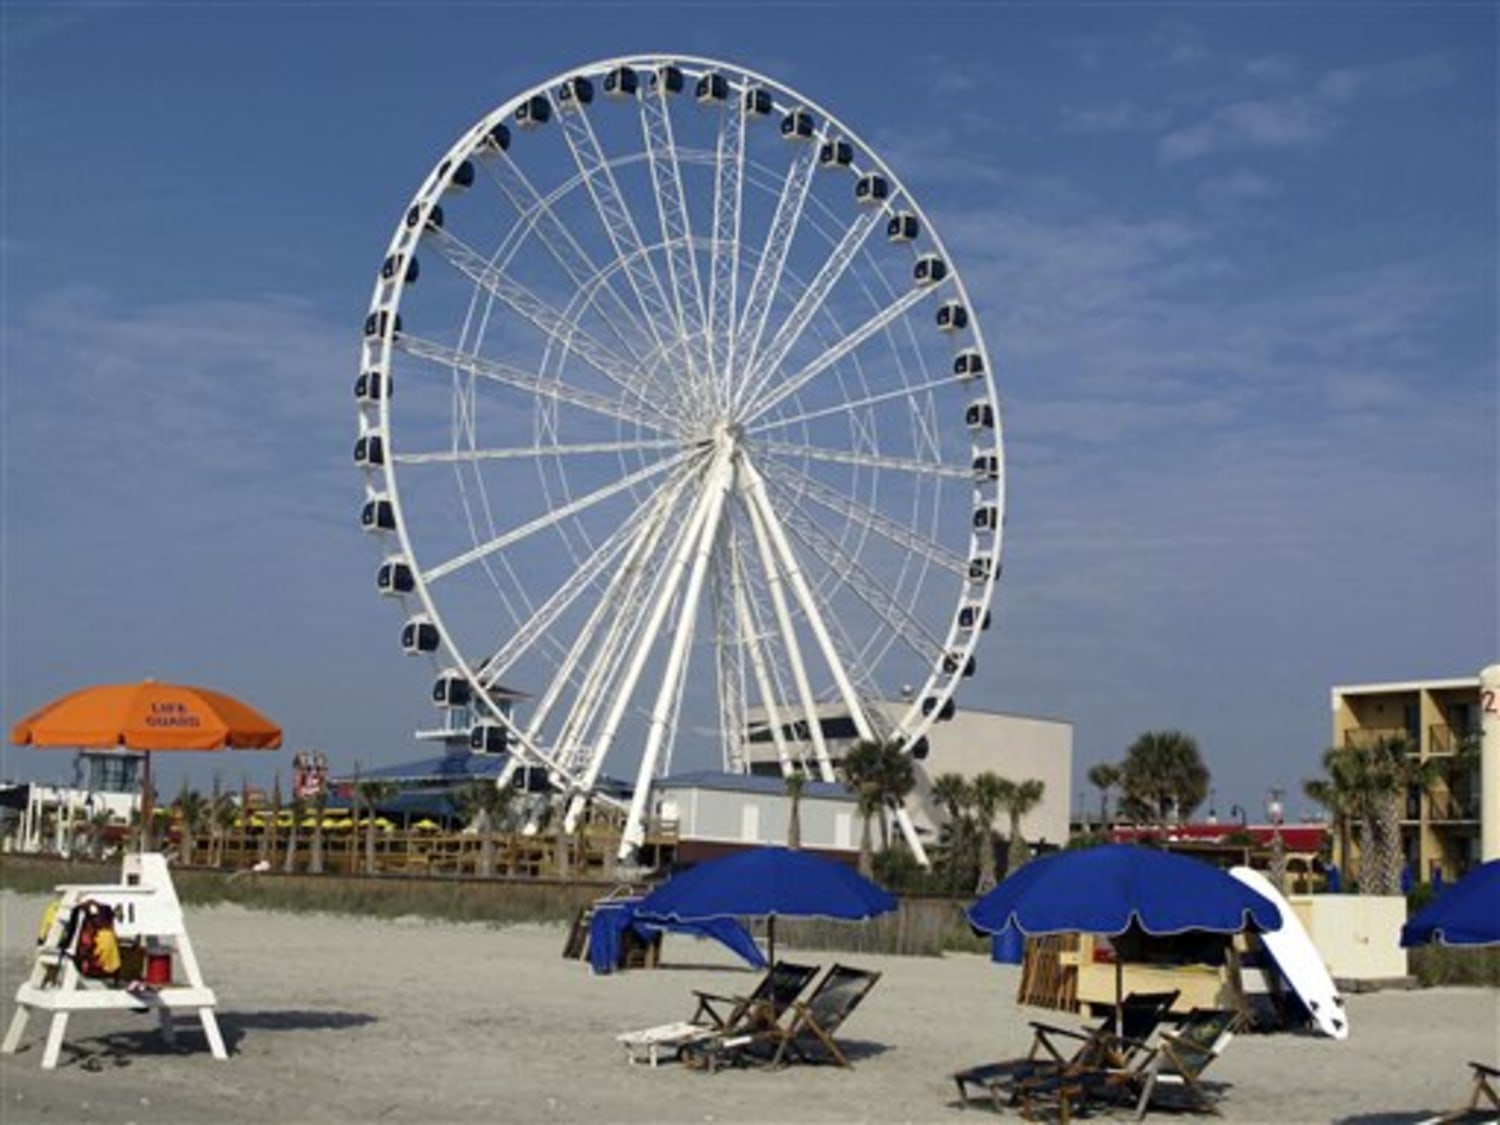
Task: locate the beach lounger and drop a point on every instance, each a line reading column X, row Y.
column 1057, row 1050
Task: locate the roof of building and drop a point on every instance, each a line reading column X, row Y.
column 752, row 783
column 1302, row 838
column 462, row 766
column 1401, row 686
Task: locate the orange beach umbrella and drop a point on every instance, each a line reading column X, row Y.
column 144, row 717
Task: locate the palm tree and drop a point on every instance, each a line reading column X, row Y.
column 1104, row 776
column 960, row 859
column 1339, row 791
column 299, row 807
column 1163, row 776
column 269, row 838
column 486, row 803
column 372, row 794
column 315, row 853
column 988, row 790
column 794, row 782
column 1018, row 799
column 191, row 809
column 221, row 819
column 862, row 767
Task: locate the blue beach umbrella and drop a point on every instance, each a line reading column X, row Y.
column 1117, row 888
column 1467, row 913
column 767, row 883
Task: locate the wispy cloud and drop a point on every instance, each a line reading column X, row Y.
column 1114, row 117
column 1299, row 119
column 1235, row 191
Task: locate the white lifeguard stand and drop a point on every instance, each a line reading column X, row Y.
column 146, row 911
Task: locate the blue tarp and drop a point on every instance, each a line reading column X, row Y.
column 612, row 919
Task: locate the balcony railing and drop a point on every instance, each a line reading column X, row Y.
column 1452, row 807
column 1362, row 738
column 1443, row 739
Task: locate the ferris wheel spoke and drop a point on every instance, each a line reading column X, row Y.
column 456, row 456
column 537, row 212
column 587, row 659
column 869, row 590
column 547, row 389
column 870, row 328
column 619, row 223
column 724, row 257
column 629, row 538
column 772, row 263
column 812, row 299
column 868, row 460
column 557, row 326
column 676, row 229
column 800, row 484
column 849, row 407
column 553, row 518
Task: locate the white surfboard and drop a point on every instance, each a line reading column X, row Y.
column 1298, row 960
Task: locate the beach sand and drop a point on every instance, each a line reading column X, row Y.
column 341, row 1019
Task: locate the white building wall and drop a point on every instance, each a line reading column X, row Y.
column 1017, row 747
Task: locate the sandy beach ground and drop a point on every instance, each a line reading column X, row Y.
column 340, row 1019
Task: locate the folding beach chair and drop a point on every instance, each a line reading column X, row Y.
column 718, row 1015
column 1182, row 1055
column 1486, row 1088
column 805, row 1033
column 808, row 1033
column 782, row 984
column 1176, row 1059
column 1057, row 1050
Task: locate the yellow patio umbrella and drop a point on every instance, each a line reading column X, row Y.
column 425, row 825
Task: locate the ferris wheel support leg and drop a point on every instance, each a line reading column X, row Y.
column 805, row 598
column 776, row 581
column 715, row 491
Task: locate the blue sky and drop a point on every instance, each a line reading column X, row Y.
column 1236, row 265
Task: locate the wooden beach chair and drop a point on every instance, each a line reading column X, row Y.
column 1485, row 1089
column 718, row 1015
column 782, row 984
column 805, row 1033
column 1176, row 1060
column 1057, row 1050
column 1182, row 1055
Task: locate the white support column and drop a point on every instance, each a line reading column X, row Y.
column 1489, row 764
column 763, row 683
column 759, row 501
column 715, row 491
column 775, row 581
column 646, row 638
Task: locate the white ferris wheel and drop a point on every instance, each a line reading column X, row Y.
column 678, row 434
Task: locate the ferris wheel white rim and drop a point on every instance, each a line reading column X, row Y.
column 679, row 248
